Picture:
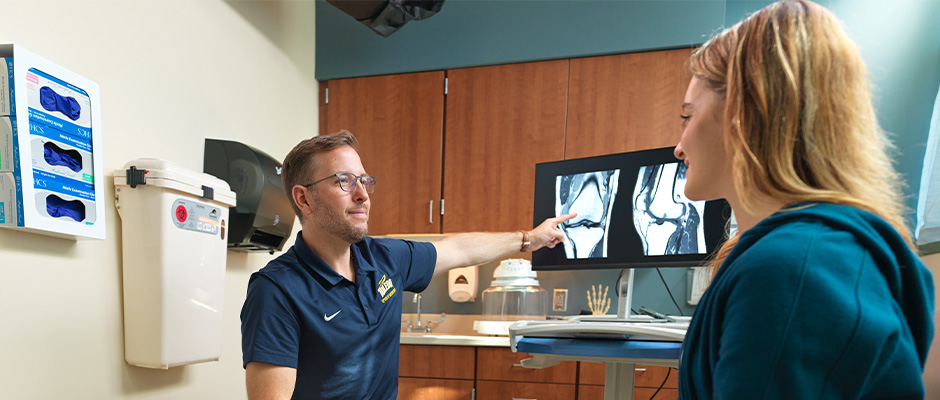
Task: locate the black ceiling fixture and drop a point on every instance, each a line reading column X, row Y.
column 385, row 17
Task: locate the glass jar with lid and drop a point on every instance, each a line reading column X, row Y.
column 514, row 295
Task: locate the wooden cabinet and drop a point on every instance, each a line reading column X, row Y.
column 591, row 392
column 445, row 372
column 625, row 102
column 398, row 120
column 454, row 372
column 476, row 147
column 427, row 361
column 436, row 372
column 434, row 389
column 500, row 376
column 646, row 381
column 501, row 364
column 520, row 390
column 501, row 121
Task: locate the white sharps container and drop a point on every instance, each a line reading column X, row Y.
column 173, row 230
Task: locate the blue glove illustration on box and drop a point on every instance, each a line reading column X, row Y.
column 54, row 155
column 53, row 101
column 57, row 207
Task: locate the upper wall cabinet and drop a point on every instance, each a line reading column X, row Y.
column 625, row 102
column 398, row 120
column 501, row 121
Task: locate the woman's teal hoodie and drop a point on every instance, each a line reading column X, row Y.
column 818, row 301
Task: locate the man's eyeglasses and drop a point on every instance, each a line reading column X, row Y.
column 347, row 181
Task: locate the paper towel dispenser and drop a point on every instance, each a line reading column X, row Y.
column 262, row 219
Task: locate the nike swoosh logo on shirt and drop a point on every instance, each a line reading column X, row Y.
column 327, row 319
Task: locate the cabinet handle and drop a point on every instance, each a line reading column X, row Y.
column 517, row 398
column 640, row 369
column 431, row 212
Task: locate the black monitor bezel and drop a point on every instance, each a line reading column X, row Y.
column 715, row 218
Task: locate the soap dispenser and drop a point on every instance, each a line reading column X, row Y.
column 462, row 284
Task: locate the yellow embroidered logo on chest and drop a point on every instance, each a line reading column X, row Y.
column 386, row 289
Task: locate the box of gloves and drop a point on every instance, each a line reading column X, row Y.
column 6, row 84
column 50, row 144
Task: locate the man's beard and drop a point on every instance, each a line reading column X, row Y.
column 336, row 224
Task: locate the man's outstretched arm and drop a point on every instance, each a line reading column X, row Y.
column 463, row 249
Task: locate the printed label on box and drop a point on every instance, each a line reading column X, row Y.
column 17, row 175
column 7, row 99
column 58, row 184
column 195, row 216
column 7, row 144
column 7, row 199
column 66, row 132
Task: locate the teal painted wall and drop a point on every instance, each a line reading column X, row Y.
column 898, row 39
column 474, row 32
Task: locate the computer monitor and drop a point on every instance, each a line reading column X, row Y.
column 632, row 213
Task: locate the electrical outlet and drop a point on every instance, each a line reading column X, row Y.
column 560, row 300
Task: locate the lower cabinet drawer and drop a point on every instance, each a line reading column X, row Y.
column 646, row 376
column 499, row 390
column 592, row 392
column 427, row 361
column 501, row 364
column 434, row 389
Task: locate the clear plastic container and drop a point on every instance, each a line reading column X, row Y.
column 514, row 294
column 514, row 303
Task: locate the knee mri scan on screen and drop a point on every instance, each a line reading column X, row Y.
column 592, row 196
column 657, row 227
column 666, row 220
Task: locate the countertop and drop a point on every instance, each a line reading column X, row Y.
column 454, row 330
column 443, row 339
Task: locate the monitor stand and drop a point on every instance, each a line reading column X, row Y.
column 624, row 302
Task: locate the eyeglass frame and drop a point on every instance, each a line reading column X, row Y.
column 369, row 188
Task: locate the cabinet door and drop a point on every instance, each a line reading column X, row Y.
column 494, row 390
column 428, row 361
column 597, row 392
column 398, row 120
column 501, row 121
column 625, row 102
column 501, row 364
column 646, row 376
column 434, row 389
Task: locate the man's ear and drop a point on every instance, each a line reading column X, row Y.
column 302, row 199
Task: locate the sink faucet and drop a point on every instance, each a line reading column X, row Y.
column 418, row 326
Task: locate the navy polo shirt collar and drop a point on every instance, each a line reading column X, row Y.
column 314, row 263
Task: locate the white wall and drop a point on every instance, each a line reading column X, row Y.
column 171, row 74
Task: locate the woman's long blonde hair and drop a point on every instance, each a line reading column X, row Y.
column 799, row 120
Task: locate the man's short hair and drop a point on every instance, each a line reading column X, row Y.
column 300, row 165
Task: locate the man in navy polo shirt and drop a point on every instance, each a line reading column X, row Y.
column 323, row 320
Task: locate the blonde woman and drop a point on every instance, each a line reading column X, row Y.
column 819, row 295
